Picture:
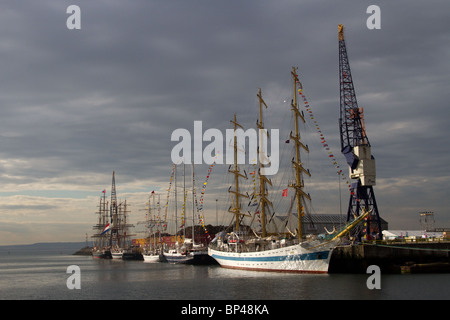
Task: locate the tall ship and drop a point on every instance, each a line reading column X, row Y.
column 179, row 252
column 189, row 246
column 112, row 237
column 101, row 236
column 185, row 248
column 152, row 249
column 289, row 250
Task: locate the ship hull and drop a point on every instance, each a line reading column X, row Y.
column 175, row 257
column 132, row 256
column 201, row 258
column 101, row 254
column 117, row 255
column 150, row 258
column 291, row 259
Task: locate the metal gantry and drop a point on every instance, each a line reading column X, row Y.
column 356, row 148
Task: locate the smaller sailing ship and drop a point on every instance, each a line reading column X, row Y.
column 117, row 253
column 124, row 243
column 288, row 252
column 181, row 253
column 151, row 257
column 152, row 249
column 187, row 251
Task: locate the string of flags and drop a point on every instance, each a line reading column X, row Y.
column 322, row 139
column 200, row 208
column 183, row 220
column 254, row 201
column 166, row 206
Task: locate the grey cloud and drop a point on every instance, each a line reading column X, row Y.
column 107, row 97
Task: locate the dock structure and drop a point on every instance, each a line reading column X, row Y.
column 392, row 257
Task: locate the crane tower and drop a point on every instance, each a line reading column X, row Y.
column 356, row 148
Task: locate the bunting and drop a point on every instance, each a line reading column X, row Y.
column 158, row 211
column 200, row 207
column 183, row 211
column 323, row 141
column 254, row 200
column 166, row 206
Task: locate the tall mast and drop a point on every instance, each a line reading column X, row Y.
column 176, row 204
column 104, row 214
column 113, row 210
column 99, row 227
column 262, row 178
column 184, row 200
column 298, row 167
column 125, row 226
column 193, row 206
column 236, row 209
column 154, row 220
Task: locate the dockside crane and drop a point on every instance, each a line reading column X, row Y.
column 355, row 146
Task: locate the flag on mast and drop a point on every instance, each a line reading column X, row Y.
column 106, row 228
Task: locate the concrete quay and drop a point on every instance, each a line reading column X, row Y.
column 392, row 257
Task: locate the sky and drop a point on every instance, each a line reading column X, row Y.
column 76, row 105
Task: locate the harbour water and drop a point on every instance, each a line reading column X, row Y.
column 43, row 275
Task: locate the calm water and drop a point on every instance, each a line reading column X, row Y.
column 43, row 276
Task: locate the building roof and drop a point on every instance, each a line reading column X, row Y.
column 325, row 218
column 411, row 233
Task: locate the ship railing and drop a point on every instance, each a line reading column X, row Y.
column 408, row 240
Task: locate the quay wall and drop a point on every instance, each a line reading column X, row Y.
column 391, row 257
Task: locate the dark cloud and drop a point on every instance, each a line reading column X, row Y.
column 77, row 104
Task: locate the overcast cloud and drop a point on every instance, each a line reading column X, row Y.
column 77, row 104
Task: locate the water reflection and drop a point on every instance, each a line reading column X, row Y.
column 39, row 277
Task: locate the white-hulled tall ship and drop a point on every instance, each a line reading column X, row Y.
column 280, row 252
column 153, row 248
column 187, row 251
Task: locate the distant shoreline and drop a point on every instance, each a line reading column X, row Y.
column 58, row 247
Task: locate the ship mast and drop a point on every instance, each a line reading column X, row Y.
column 101, row 239
column 236, row 209
column 113, row 212
column 298, row 167
column 262, row 178
column 176, row 203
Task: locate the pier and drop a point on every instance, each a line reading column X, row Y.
column 396, row 256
